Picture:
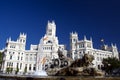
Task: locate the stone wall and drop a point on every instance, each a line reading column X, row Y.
column 57, row 78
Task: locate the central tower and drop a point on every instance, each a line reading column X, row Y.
column 51, row 29
column 48, row 46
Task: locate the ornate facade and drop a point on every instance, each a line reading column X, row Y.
column 85, row 46
column 16, row 57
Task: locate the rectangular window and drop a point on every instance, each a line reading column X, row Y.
column 34, row 67
column 30, row 67
column 20, row 40
column 10, row 56
column 25, row 67
column 18, row 57
column 20, row 65
column 11, row 64
column 23, row 41
column 83, row 45
column 17, row 65
column 7, row 63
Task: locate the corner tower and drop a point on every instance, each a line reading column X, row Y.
column 22, row 41
column 73, row 42
column 115, row 51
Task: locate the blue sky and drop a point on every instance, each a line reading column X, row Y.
column 94, row 18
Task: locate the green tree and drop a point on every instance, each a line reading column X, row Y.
column 11, row 69
column 8, row 70
column 110, row 64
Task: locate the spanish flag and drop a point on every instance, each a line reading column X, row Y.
column 43, row 60
column 102, row 40
column 45, row 38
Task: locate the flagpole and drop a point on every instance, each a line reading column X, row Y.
column 102, row 40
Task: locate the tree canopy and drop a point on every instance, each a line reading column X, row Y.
column 111, row 64
column 1, row 57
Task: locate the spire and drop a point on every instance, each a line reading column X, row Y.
column 20, row 33
column 115, row 45
column 48, row 21
column 17, row 40
column 112, row 44
column 90, row 38
column 25, row 34
column 71, row 33
column 75, row 32
column 9, row 39
column 6, row 40
column 85, row 37
column 53, row 22
column 102, row 41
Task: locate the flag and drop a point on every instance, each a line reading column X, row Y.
column 102, row 40
column 45, row 38
column 43, row 60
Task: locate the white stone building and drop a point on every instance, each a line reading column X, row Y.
column 81, row 47
column 17, row 57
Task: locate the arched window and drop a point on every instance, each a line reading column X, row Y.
column 23, row 41
column 20, row 40
column 34, row 67
column 18, row 57
column 10, row 56
column 49, row 41
column 74, row 40
column 29, row 66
